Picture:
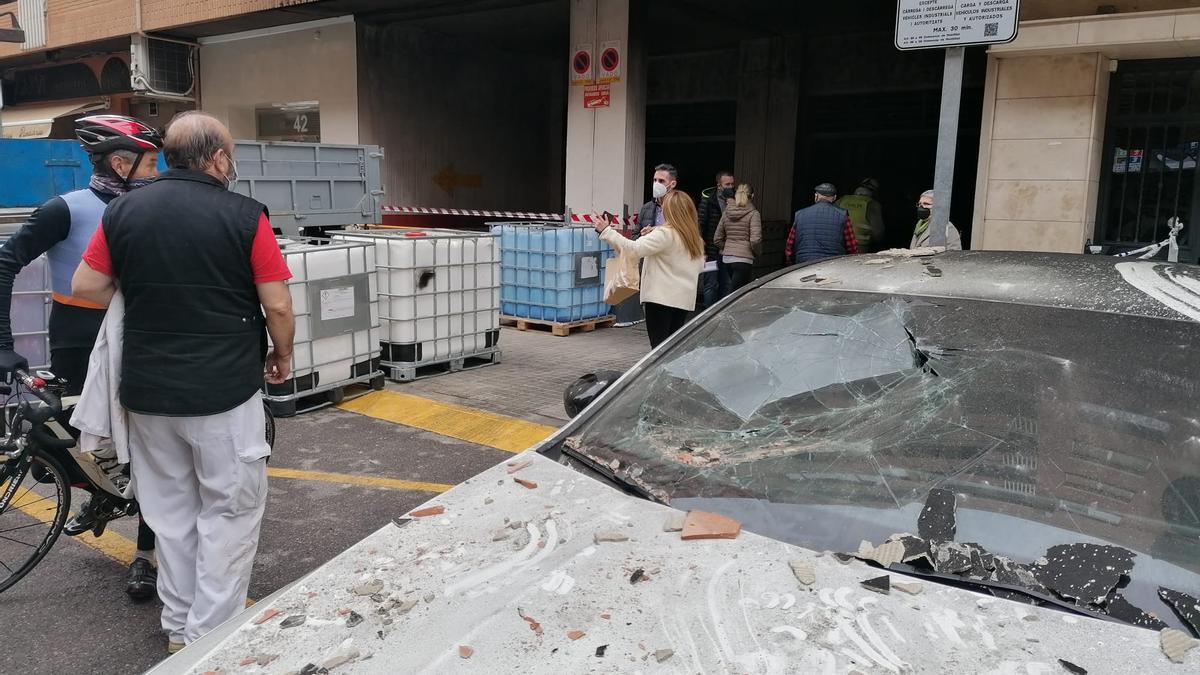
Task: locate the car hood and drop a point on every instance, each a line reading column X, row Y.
column 537, row 577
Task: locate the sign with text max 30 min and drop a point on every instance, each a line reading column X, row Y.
column 930, row 24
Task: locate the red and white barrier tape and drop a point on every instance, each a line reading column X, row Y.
column 523, row 215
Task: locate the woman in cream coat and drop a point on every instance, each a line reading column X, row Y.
column 674, row 258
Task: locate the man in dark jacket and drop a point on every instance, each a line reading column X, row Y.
column 196, row 264
column 124, row 155
column 665, row 179
column 822, row 230
column 710, row 206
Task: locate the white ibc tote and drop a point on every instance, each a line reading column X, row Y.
column 335, row 300
column 439, row 293
column 30, row 313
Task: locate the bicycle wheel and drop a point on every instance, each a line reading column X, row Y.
column 32, row 513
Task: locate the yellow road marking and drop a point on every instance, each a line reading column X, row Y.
column 466, row 424
column 110, row 543
column 368, row 481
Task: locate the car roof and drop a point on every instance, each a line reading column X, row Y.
column 1069, row 281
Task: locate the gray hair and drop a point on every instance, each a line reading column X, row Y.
column 193, row 139
column 927, row 193
column 669, row 169
column 101, row 165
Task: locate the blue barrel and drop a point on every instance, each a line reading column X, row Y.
column 551, row 272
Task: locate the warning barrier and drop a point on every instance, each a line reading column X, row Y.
column 483, row 213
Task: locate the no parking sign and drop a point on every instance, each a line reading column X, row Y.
column 610, row 62
column 581, row 65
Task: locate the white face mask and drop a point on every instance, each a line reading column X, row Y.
column 658, row 190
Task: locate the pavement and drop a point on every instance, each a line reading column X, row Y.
column 337, row 475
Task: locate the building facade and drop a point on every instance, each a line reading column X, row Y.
column 1083, row 130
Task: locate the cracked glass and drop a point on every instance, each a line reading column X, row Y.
column 824, row 418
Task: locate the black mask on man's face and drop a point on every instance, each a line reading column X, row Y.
column 923, row 213
column 728, row 193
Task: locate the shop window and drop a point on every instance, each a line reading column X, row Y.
column 1149, row 171
column 299, row 122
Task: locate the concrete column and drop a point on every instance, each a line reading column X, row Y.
column 768, row 101
column 606, row 147
column 1040, row 152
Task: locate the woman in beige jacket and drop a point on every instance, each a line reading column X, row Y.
column 739, row 236
column 674, row 258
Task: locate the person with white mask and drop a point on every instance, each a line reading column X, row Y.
column 665, row 179
column 197, row 265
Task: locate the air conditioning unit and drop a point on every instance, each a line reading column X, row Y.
column 161, row 67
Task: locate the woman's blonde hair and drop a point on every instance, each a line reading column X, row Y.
column 742, row 197
column 679, row 214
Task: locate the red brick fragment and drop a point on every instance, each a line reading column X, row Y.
column 576, row 634
column 704, row 525
column 606, row 615
column 344, row 611
column 465, row 651
column 533, row 625
column 312, row 594
column 266, row 616
column 249, row 660
column 525, row 483
column 684, row 457
column 513, row 468
column 431, row 511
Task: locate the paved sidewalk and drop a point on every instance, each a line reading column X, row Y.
column 535, row 367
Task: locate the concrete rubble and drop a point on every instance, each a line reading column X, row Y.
column 563, row 602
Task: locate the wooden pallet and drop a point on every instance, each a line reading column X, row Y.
column 404, row 372
column 557, row 328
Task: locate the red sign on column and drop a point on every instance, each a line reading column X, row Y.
column 596, row 96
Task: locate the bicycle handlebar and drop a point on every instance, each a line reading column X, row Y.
column 37, row 387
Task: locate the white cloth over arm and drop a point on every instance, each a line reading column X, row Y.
column 99, row 414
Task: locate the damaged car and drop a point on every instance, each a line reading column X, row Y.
column 961, row 462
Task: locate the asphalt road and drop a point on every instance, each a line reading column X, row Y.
column 71, row 615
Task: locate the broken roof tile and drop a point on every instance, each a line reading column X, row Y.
column 293, row 621
column 937, row 520
column 1185, row 606
column 525, row 483
column 705, row 525
column 431, row 511
column 1176, row 643
column 804, row 571
column 1072, row 668
column 515, row 467
column 662, row 655
column 266, row 616
column 465, row 652
column 575, row 634
column 674, row 522
column 881, row 584
column 910, row 587
column 611, row 536
column 1084, row 573
column 1122, row 609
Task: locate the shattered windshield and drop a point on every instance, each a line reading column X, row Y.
column 835, row 420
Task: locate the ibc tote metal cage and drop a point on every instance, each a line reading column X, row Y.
column 343, row 307
column 440, row 307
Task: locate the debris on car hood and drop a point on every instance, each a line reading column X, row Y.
column 563, row 603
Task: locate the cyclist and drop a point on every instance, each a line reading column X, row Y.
column 124, row 155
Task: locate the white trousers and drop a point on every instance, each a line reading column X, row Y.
column 201, row 483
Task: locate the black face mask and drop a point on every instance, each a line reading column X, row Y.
column 728, row 193
column 923, row 213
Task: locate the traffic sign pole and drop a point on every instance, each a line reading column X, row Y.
column 943, row 175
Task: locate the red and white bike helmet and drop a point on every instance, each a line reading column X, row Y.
column 101, row 134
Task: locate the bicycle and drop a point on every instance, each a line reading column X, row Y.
column 40, row 462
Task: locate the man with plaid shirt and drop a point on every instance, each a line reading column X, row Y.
column 822, row 230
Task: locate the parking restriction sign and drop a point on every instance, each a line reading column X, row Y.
column 927, row 24
column 581, row 65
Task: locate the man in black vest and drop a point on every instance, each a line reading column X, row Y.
column 822, row 230
column 197, row 264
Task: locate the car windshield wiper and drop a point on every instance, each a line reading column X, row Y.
column 570, row 449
